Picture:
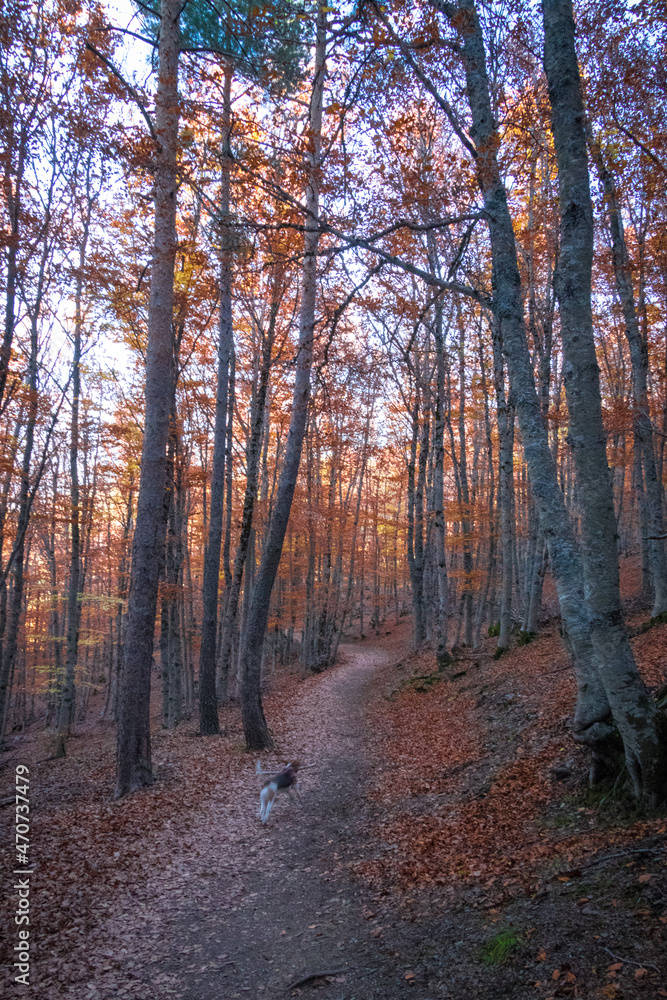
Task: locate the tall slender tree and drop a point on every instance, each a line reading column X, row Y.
column 133, row 759
column 254, row 722
column 633, row 710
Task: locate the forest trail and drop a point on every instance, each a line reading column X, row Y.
column 290, row 911
column 260, row 908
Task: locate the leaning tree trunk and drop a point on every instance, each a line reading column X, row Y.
column 633, row 710
column 644, row 438
column 208, row 707
column 592, row 717
column 133, row 759
column 254, row 723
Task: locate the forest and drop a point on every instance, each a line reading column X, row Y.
column 333, row 395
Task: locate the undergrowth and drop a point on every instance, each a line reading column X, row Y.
column 499, row 949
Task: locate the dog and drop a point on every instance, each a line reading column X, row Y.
column 284, row 781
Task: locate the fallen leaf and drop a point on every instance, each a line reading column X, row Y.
column 555, row 974
column 645, row 877
column 409, row 975
column 640, row 973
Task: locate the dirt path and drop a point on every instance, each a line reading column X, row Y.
column 291, row 912
column 252, row 910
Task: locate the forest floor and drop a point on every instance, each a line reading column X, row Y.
column 446, row 846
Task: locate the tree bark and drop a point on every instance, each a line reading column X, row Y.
column 643, row 427
column 505, row 418
column 592, row 716
column 67, row 700
column 13, row 193
column 133, row 759
column 10, row 644
column 253, row 456
column 254, row 723
column 633, row 710
column 208, row 707
column 415, row 533
column 442, row 622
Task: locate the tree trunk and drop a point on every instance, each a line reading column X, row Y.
column 643, row 427
column 592, row 716
column 254, row 723
column 442, row 625
column 49, row 546
column 347, row 604
column 208, row 707
column 253, row 456
column 10, row 644
column 415, row 539
column 13, row 194
column 133, row 760
column 505, row 418
column 67, row 700
column 633, row 710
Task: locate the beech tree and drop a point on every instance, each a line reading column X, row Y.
column 633, row 710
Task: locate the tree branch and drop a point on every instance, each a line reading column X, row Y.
column 441, row 101
column 128, row 86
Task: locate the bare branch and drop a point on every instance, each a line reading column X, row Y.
column 128, row 86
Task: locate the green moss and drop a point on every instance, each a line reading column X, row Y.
column 660, row 619
column 424, row 682
column 524, row 638
column 494, row 629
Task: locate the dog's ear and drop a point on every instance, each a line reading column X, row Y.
column 295, row 765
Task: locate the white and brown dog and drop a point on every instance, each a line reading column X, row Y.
column 284, row 781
